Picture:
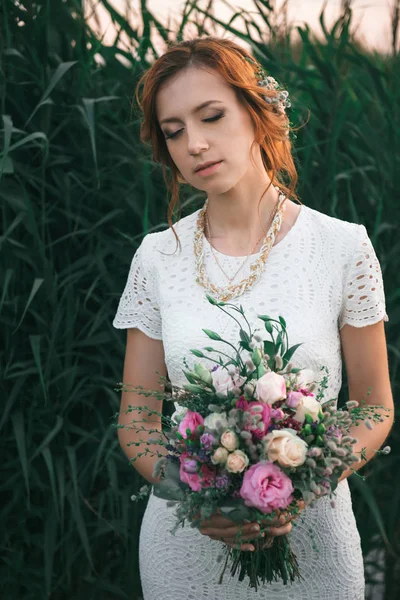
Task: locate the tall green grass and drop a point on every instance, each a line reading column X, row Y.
column 78, row 191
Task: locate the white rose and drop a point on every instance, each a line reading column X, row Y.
column 304, row 378
column 222, row 381
column 210, row 422
column 270, row 388
column 309, row 405
column 219, row 457
column 230, row 440
column 286, row 447
column 237, row 462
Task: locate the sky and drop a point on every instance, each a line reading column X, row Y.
column 371, row 18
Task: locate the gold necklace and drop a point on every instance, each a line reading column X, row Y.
column 207, row 233
column 231, row 291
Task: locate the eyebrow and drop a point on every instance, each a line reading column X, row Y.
column 195, row 110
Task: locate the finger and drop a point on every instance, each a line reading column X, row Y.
column 217, row 521
column 230, row 528
column 231, row 533
column 283, row 530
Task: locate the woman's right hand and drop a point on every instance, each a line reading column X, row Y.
column 223, row 529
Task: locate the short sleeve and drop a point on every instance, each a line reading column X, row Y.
column 138, row 305
column 363, row 301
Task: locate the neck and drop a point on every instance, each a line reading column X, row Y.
column 234, row 218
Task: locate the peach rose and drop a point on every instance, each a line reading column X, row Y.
column 230, row 440
column 237, row 462
column 286, row 447
column 220, row 456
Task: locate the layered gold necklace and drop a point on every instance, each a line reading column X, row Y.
column 256, row 269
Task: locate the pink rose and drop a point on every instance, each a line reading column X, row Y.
column 192, row 479
column 190, row 465
column 277, row 414
column 266, row 487
column 271, row 387
column 265, row 418
column 293, row 399
column 191, row 420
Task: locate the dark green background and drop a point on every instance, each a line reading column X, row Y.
column 78, row 191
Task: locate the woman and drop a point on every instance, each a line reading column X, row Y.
column 217, row 123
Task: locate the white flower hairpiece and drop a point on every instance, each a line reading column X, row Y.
column 281, row 99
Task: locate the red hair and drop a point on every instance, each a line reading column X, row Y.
column 238, row 67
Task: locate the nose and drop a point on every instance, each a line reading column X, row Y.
column 196, row 142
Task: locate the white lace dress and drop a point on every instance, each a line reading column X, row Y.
column 322, row 274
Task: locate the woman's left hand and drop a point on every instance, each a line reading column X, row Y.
column 281, row 520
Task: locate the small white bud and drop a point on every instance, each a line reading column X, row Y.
column 352, row 404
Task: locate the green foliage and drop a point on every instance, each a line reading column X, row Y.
column 78, row 190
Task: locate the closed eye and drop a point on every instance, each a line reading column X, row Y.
column 209, row 120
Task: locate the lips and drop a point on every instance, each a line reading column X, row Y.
column 207, row 165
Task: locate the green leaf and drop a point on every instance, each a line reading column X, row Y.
column 48, row 458
column 19, row 433
column 244, row 336
column 57, row 75
column 35, row 287
column 7, row 138
column 49, row 547
column 370, row 499
column 49, row 436
column 269, row 348
column 290, row 351
column 246, row 346
column 35, row 344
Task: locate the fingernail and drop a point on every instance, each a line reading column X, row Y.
column 255, row 528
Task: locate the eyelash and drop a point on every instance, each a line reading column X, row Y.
column 210, row 120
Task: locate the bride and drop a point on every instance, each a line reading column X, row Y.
column 216, row 121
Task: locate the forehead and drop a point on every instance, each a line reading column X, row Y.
column 189, row 88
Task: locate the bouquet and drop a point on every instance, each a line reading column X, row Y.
column 250, row 439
